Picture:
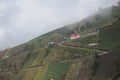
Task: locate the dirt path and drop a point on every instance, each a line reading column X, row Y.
column 31, row 68
column 89, row 34
column 102, row 52
column 27, row 69
column 83, row 36
column 6, row 72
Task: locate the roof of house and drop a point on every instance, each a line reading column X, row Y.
column 75, row 35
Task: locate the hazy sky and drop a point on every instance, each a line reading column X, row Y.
column 22, row 20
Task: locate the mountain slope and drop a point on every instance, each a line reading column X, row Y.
column 34, row 61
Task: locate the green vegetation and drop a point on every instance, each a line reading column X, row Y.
column 116, row 12
column 40, row 75
column 57, row 71
column 18, row 76
column 109, row 37
column 35, row 61
column 29, row 75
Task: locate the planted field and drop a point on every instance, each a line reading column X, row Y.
column 40, row 75
column 29, row 75
column 57, row 71
column 73, row 72
column 35, row 58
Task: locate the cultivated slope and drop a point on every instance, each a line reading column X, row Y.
column 69, row 60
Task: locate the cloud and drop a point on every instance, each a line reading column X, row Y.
column 2, row 33
column 22, row 20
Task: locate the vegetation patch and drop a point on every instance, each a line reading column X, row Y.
column 29, row 74
column 40, row 75
column 57, row 71
column 109, row 38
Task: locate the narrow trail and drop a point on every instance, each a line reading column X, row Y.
column 6, row 72
column 84, row 36
column 89, row 34
column 27, row 69
column 102, row 52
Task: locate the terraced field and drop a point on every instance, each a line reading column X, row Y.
column 80, row 69
column 40, row 74
column 73, row 72
column 57, row 71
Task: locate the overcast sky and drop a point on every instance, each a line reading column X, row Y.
column 22, row 20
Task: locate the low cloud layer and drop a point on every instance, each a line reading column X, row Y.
column 22, row 20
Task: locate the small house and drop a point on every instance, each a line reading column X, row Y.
column 92, row 44
column 74, row 36
column 51, row 44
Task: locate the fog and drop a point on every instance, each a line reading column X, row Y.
column 23, row 20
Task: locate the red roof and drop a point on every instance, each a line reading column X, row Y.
column 75, row 35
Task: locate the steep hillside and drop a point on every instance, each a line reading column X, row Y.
column 68, row 59
column 108, row 67
column 110, row 37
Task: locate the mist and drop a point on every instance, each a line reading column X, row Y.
column 23, row 20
